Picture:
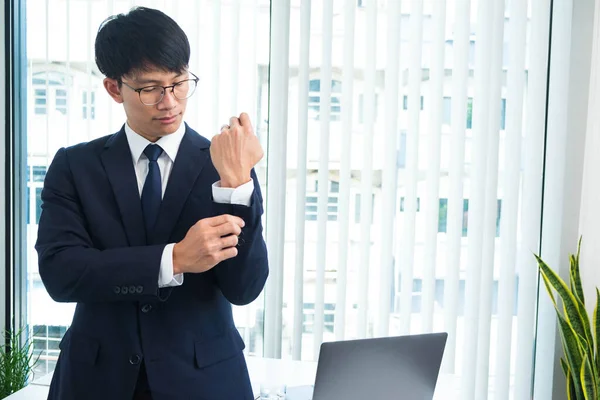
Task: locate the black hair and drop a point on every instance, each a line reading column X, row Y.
column 140, row 40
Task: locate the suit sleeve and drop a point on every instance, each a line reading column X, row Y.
column 242, row 278
column 71, row 269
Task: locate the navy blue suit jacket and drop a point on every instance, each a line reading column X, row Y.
column 92, row 250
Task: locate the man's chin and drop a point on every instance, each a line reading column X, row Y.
column 167, row 129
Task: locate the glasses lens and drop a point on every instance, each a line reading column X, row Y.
column 151, row 95
column 184, row 89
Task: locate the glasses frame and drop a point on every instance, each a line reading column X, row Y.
column 195, row 79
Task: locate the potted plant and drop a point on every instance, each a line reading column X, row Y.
column 16, row 363
column 579, row 335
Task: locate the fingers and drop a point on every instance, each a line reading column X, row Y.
column 245, row 120
column 227, row 253
column 228, row 228
column 229, row 241
column 234, row 122
column 222, row 219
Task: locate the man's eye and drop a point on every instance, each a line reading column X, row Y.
column 150, row 90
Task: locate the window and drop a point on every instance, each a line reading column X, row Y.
column 61, row 101
column 443, row 217
column 405, row 102
column 503, row 114
column 89, row 105
column 40, row 101
column 314, row 100
column 312, row 201
column 49, row 93
column 361, row 107
column 54, row 81
column 33, row 200
column 357, row 208
column 308, row 317
column 447, row 112
column 402, row 204
column 401, row 159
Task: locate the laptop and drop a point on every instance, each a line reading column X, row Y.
column 402, row 367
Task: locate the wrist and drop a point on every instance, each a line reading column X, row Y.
column 177, row 262
column 234, row 182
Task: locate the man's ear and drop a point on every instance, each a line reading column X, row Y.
column 113, row 89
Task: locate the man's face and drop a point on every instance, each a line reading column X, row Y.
column 154, row 121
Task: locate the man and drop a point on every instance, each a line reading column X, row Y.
column 154, row 231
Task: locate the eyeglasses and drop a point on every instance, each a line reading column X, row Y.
column 152, row 95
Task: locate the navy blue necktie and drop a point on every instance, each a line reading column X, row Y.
column 152, row 191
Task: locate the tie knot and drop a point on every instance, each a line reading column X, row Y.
column 153, row 151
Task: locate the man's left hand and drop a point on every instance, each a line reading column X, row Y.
column 235, row 151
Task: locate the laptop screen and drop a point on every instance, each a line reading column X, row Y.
column 404, row 367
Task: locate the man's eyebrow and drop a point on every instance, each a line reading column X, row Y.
column 154, row 81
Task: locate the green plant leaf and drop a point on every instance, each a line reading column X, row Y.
column 575, row 275
column 596, row 324
column 565, row 366
column 573, row 313
column 573, row 352
column 16, row 363
column 588, row 380
column 569, row 380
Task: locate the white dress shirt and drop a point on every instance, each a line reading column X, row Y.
column 170, row 145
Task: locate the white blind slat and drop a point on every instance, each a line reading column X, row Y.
column 89, row 61
column 215, row 76
column 517, row 28
column 68, row 73
column 322, row 205
column 407, row 245
column 460, row 74
column 477, row 177
column 303, row 69
column 47, row 88
column 366, row 200
column 345, row 172
column 110, row 101
column 235, row 56
column 276, row 176
column 491, row 204
column 431, row 203
column 390, row 178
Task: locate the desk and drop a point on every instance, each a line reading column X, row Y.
column 293, row 373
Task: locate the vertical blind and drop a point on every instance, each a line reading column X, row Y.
column 403, row 167
column 413, row 188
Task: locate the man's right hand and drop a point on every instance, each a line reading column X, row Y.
column 207, row 243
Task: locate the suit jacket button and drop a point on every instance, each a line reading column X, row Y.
column 146, row 308
column 132, row 289
column 139, row 289
column 124, row 290
column 135, row 359
column 117, row 290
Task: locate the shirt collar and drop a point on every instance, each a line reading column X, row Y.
column 169, row 143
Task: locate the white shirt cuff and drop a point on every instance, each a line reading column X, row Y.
column 165, row 276
column 241, row 195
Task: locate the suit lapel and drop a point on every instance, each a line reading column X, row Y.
column 118, row 165
column 188, row 164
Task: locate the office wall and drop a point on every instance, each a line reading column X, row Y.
column 590, row 199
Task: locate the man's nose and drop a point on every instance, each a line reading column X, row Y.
column 169, row 100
